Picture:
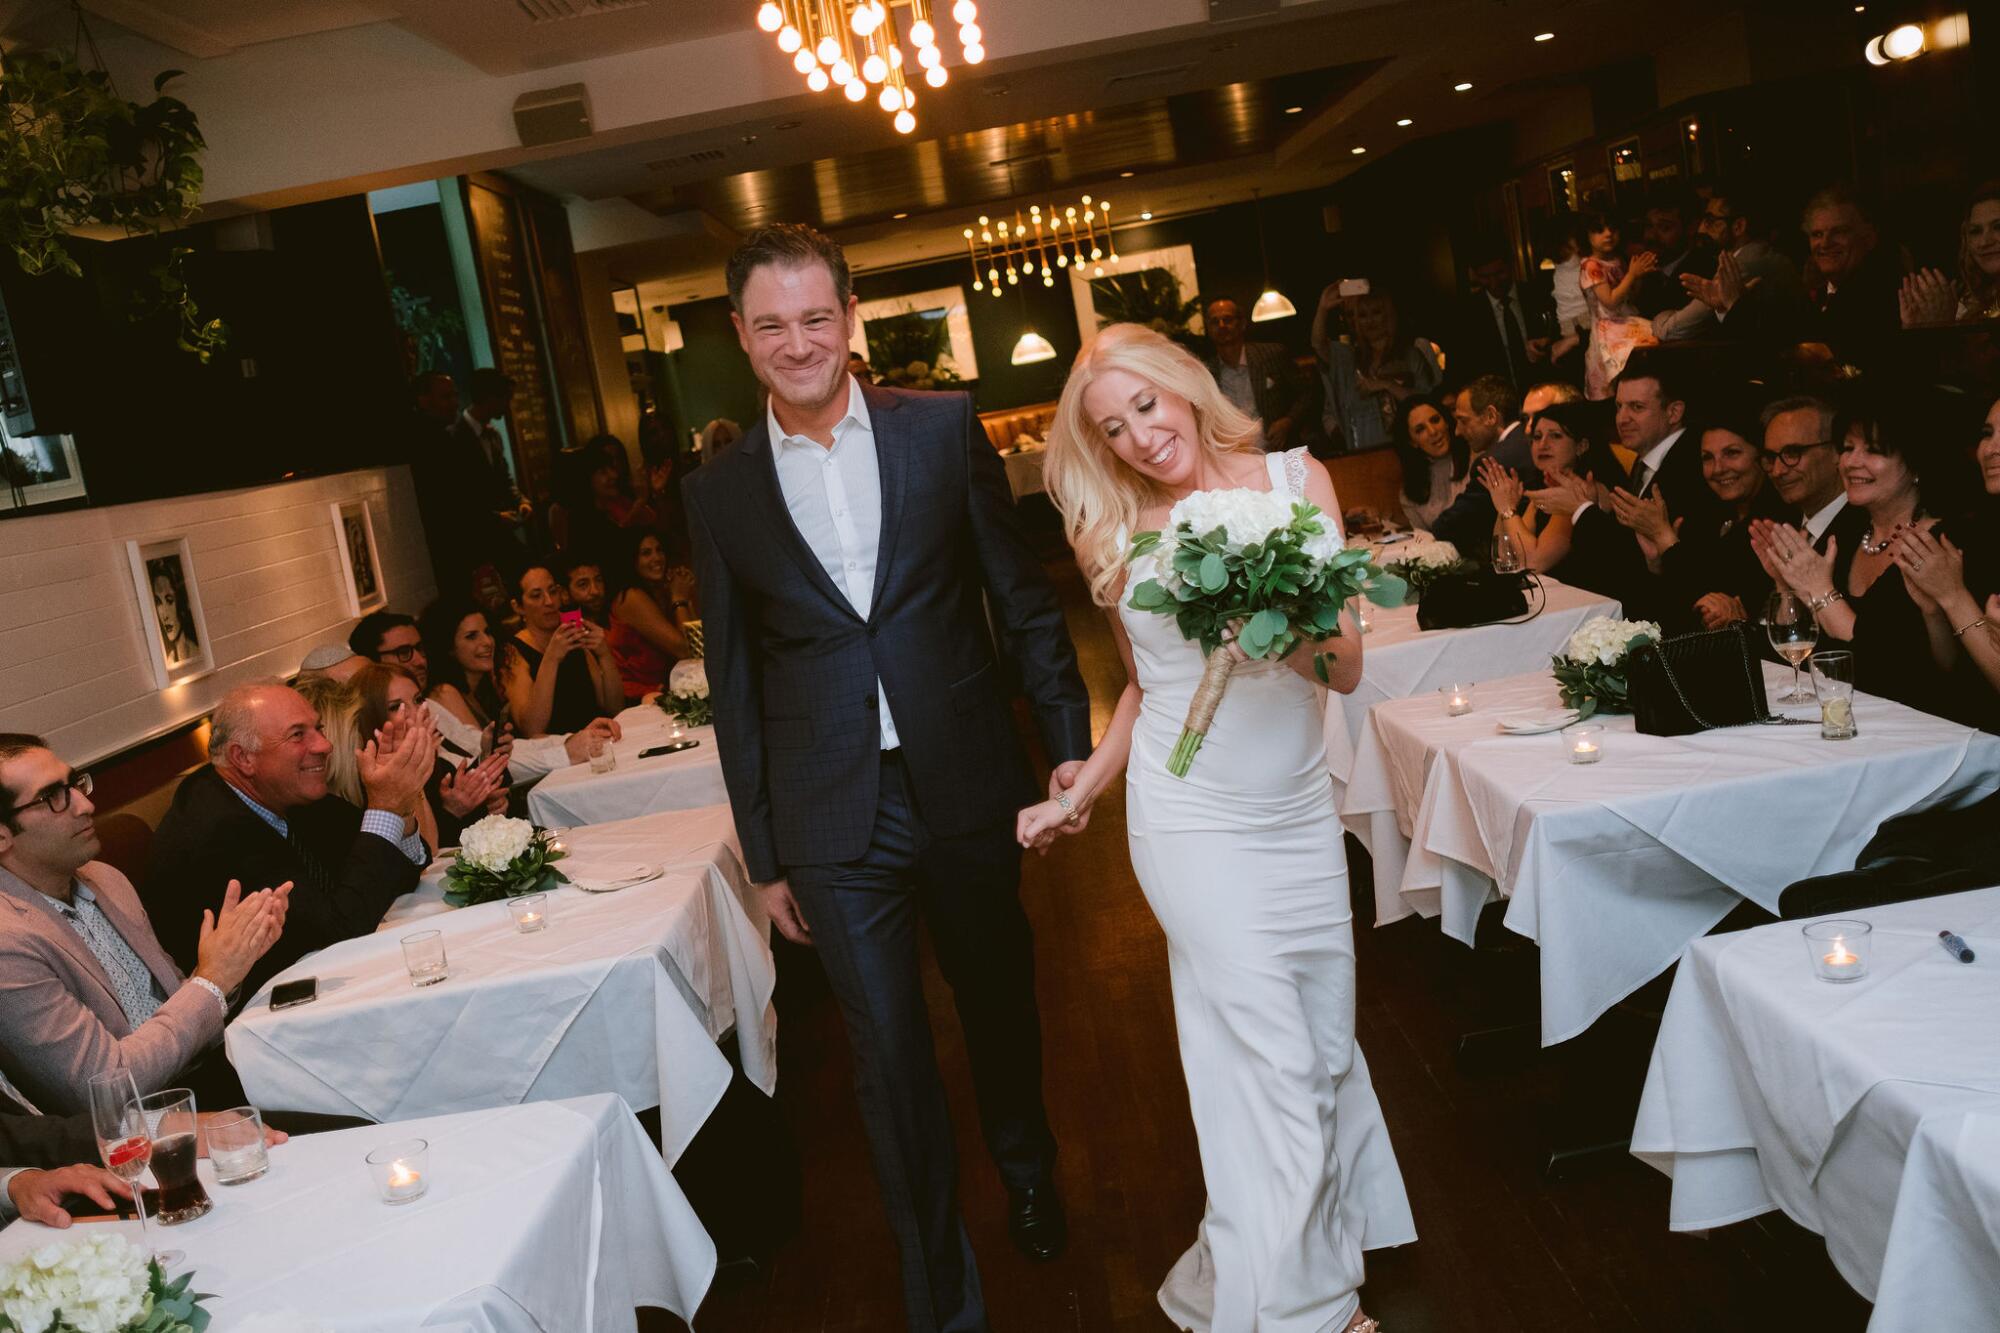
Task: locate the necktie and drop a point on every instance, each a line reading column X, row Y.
column 1642, row 477
column 1517, row 345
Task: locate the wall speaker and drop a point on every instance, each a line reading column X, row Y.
column 552, row 115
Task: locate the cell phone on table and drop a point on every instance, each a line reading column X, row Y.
column 672, row 747
column 292, row 994
column 573, row 618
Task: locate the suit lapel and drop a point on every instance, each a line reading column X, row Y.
column 892, row 462
column 759, row 453
column 25, row 899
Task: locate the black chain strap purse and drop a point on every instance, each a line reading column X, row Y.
column 1697, row 682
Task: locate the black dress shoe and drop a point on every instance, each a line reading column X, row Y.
column 1037, row 1223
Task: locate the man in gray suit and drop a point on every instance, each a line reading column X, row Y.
column 846, row 547
column 85, row 988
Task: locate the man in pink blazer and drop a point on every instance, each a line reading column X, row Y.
column 85, row 987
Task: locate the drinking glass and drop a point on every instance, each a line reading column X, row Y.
column 1838, row 950
column 171, row 1126
column 401, row 1170
column 530, row 912
column 126, row 1146
column 1793, row 632
column 1507, row 555
column 423, row 954
column 236, row 1145
column 602, row 757
column 1833, row 681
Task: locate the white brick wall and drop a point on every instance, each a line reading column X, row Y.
column 73, row 666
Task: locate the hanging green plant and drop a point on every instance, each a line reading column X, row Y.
column 76, row 156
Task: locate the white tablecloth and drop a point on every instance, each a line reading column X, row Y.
column 552, row 1216
column 686, row 780
column 1614, row 867
column 1869, row 1112
column 625, row 992
column 1400, row 661
column 1024, row 471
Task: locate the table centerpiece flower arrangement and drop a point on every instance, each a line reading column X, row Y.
column 501, row 857
column 686, row 695
column 1253, row 568
column 1421, row 561
column 98, row 1283
column 1591, row 667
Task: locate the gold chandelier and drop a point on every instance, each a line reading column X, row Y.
column 853, row 45
column 1077, row 236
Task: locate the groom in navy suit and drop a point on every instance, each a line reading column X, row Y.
column 847, row 547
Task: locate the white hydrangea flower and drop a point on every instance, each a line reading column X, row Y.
column 494, row 842
column 1603, row 640
column 1424, row 552
column 99, row 1284
column 1245, row 516
column 689, row 677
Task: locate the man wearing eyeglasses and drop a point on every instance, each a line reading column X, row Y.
column 85, row 987
column 392, row 640
column 1735, row 226
column 1803, row 462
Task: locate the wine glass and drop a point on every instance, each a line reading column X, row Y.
column 1793, row 632
column 1507, row 554
column 125, row 1142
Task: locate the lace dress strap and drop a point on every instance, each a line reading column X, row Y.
column 1288, row 472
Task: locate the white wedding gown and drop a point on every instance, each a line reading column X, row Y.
column 1243, row 865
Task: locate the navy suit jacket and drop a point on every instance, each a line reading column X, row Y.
column 792, row 667
column 1468, row 522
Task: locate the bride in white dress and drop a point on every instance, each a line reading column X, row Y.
column 1241, row 861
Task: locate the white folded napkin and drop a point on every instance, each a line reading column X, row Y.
column 1535, row 721
column 606, row 876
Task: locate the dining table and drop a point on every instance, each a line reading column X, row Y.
column 655, row 952
column 532, row 1218
column 687, row 779
column 1614, row 867
column 1868, row 1110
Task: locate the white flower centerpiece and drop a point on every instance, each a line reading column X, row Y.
column 98, row 1283
column 1591, row 667
column 1421, row 561
column 1254, row 568
column 686, row 695
column 501, row 857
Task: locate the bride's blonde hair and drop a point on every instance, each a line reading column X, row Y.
column 1099, row 496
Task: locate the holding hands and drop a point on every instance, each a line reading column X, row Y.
column 1063, row 813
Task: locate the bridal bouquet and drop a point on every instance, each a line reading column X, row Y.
column 1591, row 667
column 1254, row 567
column 686, row 695
column 1420, row 561
column 96, row 1284
column 502, row 858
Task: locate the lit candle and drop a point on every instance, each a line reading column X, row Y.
column 1585, row 742
column 1457, row 700
column 1842, row 956
column 405, row 1182
column 531, row 921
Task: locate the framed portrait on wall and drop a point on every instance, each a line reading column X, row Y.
column 919, row 341
column 170, row 616
column 1155, row 287
column 360, row 567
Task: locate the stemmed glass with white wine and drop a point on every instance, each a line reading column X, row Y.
column 1793, row 632
column 125, row 1141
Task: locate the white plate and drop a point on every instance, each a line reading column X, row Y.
column 1535, row 722
column 609, row 876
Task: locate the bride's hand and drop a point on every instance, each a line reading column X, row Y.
column 1039, row 825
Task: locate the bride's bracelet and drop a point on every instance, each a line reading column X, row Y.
column 1069, row 810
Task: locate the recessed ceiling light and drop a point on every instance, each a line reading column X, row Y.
column 899, row 216
column 1357, row 150
column 1293, row 110
column 1461, row 87
column 1146, row 217
column 1406, row 122
column 1545, row 37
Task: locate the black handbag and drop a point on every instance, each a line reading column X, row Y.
column 1696, row 682
column 1477, row 597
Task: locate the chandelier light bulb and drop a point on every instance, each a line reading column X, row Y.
column 769, row 17
column 829, row 49
column 970, row 35
column 804, row 63
column 1903, row 42
column 922, row 33
column 965, row 11
column 928, row 57
column 895, row 57
column 905, row 122
column 817, row 80
column 843, row 73
column 935, row 75
column 974, row 54
column 855, row 89
column 890, row 100
column 789, row 39
column 909, row 100
column 865, row 21
column 874, row 69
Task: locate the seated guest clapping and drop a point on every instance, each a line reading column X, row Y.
column 1860, row 597
column 260, row 813
column 464, row 699
column 1712, row 577
column 1802, row 458
column 1571, row 449
column 556, row 674
column 85, row 988
column 458, row 793
column 648, row 600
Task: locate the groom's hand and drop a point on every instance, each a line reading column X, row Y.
column 1062, row 780
column 783, row 909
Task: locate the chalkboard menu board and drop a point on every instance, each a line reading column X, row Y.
column 562, row 310
column 506, row 277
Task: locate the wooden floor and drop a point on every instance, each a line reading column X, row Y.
column 1500, row 1248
